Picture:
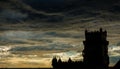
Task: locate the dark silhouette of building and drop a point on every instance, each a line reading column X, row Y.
column 59, row 64
column 95, row 53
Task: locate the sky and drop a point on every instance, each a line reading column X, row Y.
column 33, row 32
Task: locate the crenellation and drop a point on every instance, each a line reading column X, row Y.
column 95, row 35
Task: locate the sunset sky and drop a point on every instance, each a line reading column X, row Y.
column 36, row 30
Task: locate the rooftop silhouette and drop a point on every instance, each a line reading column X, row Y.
column 95, row 53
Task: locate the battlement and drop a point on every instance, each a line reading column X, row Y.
column 95, row 35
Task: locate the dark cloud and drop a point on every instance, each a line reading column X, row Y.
column 5, row 41
column 63, row 35
column 26, row 37
column 54, row 46
column 46, row 5
column 76, row 15
column 13, row 16
column 4, row 0
column 17, row 11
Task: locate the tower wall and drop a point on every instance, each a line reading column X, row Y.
column 95, row 51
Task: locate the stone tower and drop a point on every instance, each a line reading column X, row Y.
column 95, row 51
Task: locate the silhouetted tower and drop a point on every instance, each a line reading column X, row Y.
column 95, row 51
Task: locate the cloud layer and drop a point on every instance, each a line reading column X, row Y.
column 35, row 34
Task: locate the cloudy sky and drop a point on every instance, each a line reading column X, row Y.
column 36, row 30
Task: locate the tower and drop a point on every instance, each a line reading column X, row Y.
column 95, row 51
